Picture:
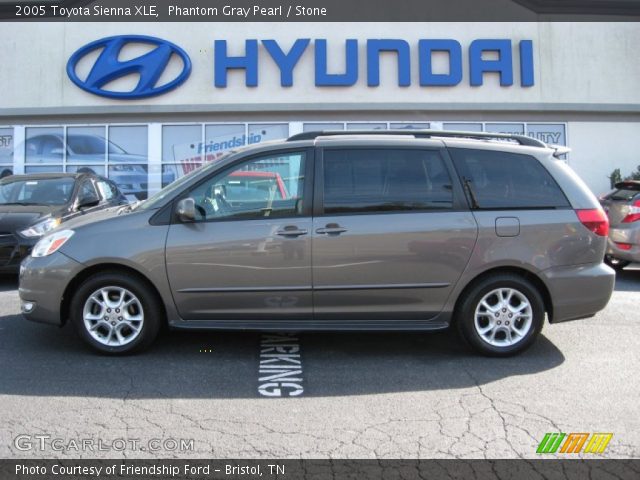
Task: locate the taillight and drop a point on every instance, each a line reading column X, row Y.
column 634, row 213
column 623, row 246
column 595, row 220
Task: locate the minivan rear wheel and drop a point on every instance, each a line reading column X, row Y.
column 501, row 315
column 116, row 313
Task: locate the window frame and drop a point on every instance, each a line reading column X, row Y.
column 458, row 199
column 307, row 206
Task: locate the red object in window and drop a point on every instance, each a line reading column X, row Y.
column 595, row 220
column 634, row 213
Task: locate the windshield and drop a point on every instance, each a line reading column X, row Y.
column 156, row 200
column 41, row 191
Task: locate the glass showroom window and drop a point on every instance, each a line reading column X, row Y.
column 182, row 151
column 551, row 133
column 263, row 132
column 86, row 149
column 6, row 152
column 44, row 149
column 366, row 126
column 512, row 128
column 127, row 155
column 221, row 138
column 409, row 126
column 317, row 127
column 462, row 126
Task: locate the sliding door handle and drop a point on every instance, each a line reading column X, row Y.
column 292, row 231
column 331, row 229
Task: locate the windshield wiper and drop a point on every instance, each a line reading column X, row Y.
column 21, row 203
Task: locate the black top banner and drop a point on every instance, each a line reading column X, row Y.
column 320, row 10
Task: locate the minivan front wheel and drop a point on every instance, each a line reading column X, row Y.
column 501, row 315
column 116, row 313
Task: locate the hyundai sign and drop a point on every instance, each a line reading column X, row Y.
column 151, row 65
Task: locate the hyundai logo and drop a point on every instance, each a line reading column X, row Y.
column 108, row 67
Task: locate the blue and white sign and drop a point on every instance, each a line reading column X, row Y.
column 485, row 56
column 108, row 67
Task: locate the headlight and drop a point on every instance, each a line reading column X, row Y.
column 41, row 228
column 51, row 243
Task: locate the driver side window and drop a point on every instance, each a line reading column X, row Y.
column 264, row 187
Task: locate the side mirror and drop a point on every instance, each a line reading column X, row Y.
column 88, row 200
column 186, row 210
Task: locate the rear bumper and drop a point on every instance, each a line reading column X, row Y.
column 629, row 236
column 42, row 284
column 579, row 291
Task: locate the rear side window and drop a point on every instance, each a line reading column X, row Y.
column 501, row 180
column 363, row 181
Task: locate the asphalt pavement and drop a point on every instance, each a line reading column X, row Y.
column 347, row 395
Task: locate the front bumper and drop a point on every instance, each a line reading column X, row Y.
column 630, row 236
column 579, row 291
column 42, row 284
column 13, row 249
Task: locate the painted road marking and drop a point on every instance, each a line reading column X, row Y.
column 280, row 372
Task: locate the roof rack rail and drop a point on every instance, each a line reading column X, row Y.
column 521, row 139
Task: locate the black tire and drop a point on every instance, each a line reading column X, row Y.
column 616, row 263
column 466, row 310
column 153, row 313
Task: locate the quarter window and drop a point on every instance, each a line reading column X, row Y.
column 360, row 181
column 499, row 180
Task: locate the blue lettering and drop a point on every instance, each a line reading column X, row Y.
column 325, row 79
column 223, row 62
column 503, row 65
column 374, row 47
column 526, row 63
column 286, row 62
column 425, row 53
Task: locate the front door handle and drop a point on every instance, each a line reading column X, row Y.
column 292, row 231
column 331, row 229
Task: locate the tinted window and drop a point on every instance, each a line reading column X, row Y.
column 385, row 180
column 506, row 180
column 265, row 187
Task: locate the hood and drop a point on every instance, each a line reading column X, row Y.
column 93, row 217
column 18, row 217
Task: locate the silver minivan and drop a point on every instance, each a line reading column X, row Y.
column 396, row 230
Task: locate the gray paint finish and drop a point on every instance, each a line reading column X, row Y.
column 397, row 270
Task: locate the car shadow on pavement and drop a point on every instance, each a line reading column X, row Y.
column 43, row 360
column 628, row 280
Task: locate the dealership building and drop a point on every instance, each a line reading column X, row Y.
column 143, row 111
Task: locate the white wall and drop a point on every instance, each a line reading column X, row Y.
column 599, row 148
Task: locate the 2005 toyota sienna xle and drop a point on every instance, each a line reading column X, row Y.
column 395, row 230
